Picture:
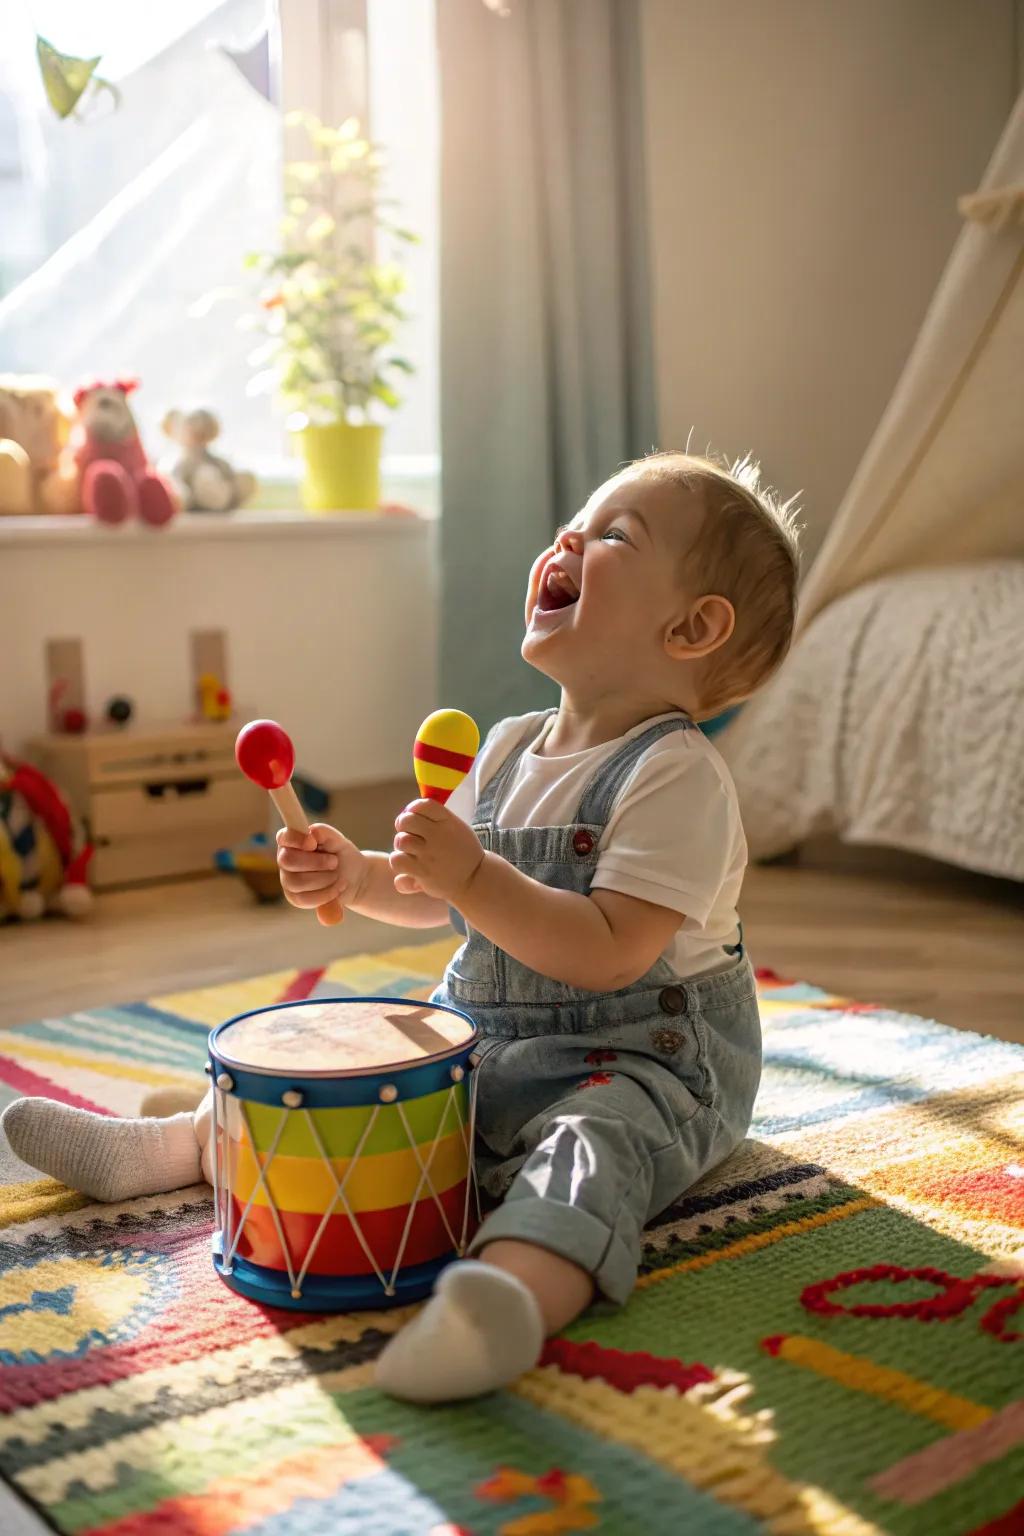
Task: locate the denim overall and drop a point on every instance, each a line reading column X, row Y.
column 596, row 1110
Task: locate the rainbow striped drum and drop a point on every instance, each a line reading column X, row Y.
column 343, row 1169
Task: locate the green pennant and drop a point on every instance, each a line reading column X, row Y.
column 66, row 78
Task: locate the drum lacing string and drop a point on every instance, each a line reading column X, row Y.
column 425, row 1175
column 339, row 1194
column 469, row 1143
column 261, row 1183
column 219, row 1216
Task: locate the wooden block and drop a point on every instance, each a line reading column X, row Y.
column 83, row 765
column 138, row 860
column 65, row 759
column 209, row 658
column 64, row 664
column 158, row 802
column 168, row 809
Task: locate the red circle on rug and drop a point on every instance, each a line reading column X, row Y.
column 997, row 1316
column 952, row 1296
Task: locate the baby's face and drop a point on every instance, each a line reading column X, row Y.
column 601, row 597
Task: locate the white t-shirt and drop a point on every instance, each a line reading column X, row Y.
column 674, row 836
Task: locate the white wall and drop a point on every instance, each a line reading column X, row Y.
column 804, row 160
column 330, row 623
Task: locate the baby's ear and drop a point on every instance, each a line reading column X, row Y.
column 706, row 625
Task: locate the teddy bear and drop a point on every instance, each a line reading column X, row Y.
column 204, row 482
column 117, row 480
column 33, row 430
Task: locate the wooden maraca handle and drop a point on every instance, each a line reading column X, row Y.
column 294, row 818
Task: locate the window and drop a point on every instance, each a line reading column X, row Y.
column 116, row 228
column 404, row 116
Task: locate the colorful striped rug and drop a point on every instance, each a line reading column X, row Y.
column 828, row 1336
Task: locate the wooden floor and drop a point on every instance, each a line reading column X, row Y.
column 931, row 941
column 928, row 940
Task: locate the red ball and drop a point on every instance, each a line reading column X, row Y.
column 74, row 721
column 265, row 754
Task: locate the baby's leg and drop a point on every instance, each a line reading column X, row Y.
column 106, row 1158
column 561, row 1289
column 605, row 1158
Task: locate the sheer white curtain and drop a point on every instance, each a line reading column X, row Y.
column 153, row 207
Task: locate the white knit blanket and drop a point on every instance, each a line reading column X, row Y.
column 898, row 720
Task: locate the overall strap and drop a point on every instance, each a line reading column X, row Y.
column 604, row 788
column 490, row 797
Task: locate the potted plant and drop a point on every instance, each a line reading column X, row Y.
column 331, row 311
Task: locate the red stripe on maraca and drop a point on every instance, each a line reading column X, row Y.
column 431, row 792
column 441, row 757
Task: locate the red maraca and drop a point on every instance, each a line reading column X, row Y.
column 265, row 754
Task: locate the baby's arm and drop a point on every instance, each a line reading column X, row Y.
column 599, row 942
column 322, row 864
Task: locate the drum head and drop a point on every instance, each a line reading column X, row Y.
column 346, row 1035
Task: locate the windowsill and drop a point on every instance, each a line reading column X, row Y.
column 213, row 526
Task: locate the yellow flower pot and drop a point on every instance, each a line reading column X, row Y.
column 342, row 467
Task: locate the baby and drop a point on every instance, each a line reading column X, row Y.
column 593, row 861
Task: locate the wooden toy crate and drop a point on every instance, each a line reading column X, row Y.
column 156, row 802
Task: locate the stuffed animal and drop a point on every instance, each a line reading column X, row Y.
column 116, row 480
column 33, row 430
column 204, row 482
column 44, row 858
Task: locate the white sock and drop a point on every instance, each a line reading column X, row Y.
column 105, row 1158
column 480, row 1330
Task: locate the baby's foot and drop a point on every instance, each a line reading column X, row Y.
column 105, row 1158
column 480, row 1330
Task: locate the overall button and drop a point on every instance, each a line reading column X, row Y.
column 672, row 1000
column 583, row 843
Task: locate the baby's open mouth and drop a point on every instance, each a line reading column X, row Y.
column 557, row 590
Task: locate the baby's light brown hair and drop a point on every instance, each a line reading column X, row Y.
column 746, row 551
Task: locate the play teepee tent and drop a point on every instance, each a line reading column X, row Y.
column 897, row 717
column 941, row 481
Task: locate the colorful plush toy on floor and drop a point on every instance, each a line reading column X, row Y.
column 117, row 480
column 44, row 858
column 256, row 861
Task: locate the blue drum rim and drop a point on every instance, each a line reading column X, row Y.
column 384, row 1069
column 327, row 1293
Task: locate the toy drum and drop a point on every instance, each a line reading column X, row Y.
column 344, row 1132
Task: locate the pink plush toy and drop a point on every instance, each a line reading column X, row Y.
column 117, row 480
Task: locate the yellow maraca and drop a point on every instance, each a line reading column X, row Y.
column 446, row 744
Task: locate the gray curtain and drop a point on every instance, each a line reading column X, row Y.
column 546, row 373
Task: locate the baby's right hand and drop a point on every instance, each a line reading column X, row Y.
column 319, row 865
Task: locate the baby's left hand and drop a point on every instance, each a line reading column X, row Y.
column 435, row 852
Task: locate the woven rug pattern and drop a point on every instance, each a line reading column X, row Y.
column 828, row 1335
